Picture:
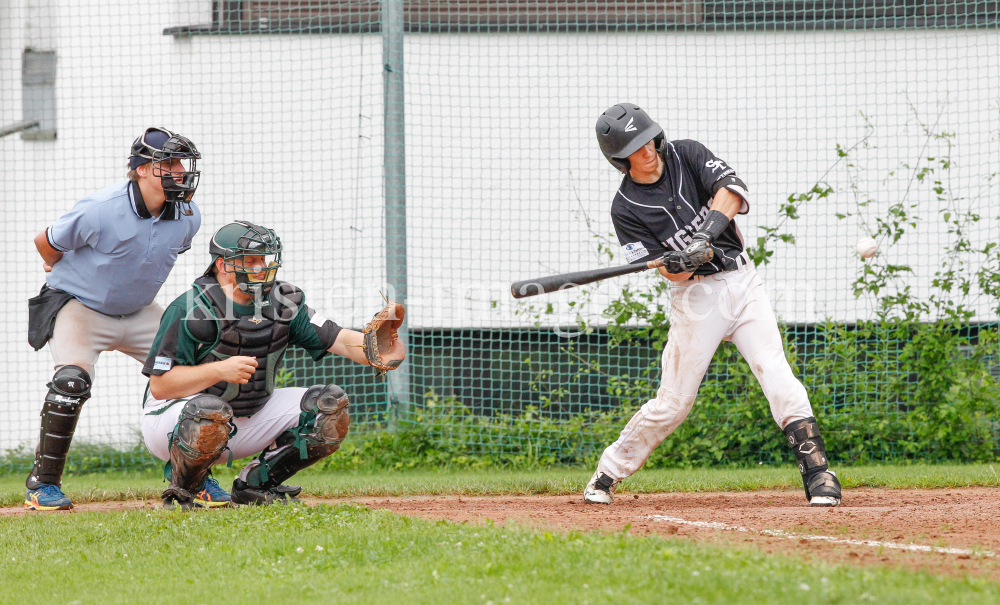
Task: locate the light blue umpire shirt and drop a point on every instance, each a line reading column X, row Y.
column 115, row 254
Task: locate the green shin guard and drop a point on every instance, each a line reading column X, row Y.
column 323, row 424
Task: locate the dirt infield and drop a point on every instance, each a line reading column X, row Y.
column 949, row 531
column 952, row 531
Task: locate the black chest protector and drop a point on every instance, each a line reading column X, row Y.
column 222, row 333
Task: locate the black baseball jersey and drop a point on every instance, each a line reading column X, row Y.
column 652, row 219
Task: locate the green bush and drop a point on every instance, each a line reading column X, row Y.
column 85, row 458
column 881, row 392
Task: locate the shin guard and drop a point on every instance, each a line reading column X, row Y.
column 68, row 391
column 201, row 435
column 810, row 453
column 323, row 424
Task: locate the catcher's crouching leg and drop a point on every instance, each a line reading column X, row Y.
column 323, row 424
column 201, row 435
column 821, row 484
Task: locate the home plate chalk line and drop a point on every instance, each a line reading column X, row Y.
column 784, row 535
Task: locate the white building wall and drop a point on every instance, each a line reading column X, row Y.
column 502, row 168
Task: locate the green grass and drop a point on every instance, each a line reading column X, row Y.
column 148, row 485
column 347, row 554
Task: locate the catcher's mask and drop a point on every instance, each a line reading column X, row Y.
column 622, row 130
column 162, row 147
column 242, row 240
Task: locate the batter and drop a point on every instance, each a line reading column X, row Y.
column 677, row 201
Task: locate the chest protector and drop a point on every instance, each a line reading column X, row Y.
column 223, row 333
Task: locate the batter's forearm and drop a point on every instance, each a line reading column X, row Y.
column 727, row 202
column 182, row 381
column 349, row 344
column 49, row 254
column 675, row 276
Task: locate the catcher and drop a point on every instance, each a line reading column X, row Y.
column 211, row 395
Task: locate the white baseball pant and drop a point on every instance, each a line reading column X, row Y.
column 253, row 433
column 704, row 311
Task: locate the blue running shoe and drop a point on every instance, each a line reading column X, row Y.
column 47, row 497
column 211, row 495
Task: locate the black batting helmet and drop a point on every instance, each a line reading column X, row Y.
column 622, row 130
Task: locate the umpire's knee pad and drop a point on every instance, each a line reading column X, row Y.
column 204, row 426
column 70, row 386
column 68, row 391
column 330, row 404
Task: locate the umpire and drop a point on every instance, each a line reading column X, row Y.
column 105, row 261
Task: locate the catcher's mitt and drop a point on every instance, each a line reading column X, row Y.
column 382, row 346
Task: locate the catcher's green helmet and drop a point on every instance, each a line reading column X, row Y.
column 240, row 239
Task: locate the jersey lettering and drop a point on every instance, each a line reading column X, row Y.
column 682, row 239
column 715, row 164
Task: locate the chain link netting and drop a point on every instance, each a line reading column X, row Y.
column 845, row 119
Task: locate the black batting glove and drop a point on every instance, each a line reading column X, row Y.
column 699, row 251
column 683, row 262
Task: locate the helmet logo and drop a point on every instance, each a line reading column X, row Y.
column 630, row 126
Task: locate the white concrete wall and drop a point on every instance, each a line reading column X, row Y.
column 502, row 168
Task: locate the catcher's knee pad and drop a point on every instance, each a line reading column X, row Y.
column 810, row 453
column 199, row 438
column 323, row 424
column 330, row 405
column 68, row 391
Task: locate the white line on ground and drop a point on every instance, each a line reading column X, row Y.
column 784, row 535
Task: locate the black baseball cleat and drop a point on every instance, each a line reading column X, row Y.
column 244, row 493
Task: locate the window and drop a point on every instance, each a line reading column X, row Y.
column 483, row 16
column 38, row 94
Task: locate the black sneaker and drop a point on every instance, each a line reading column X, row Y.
column 244, row 493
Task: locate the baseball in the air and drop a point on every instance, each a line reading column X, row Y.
column 867, row 247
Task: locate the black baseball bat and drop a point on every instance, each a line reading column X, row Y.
column 551, row 283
